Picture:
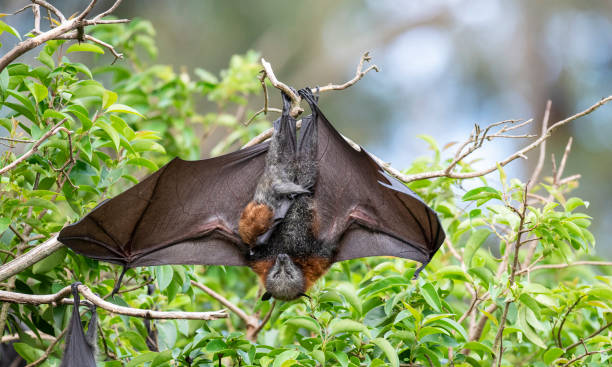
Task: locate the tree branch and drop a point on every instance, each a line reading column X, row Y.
column 518, row 154
column 30, row 258
column 34, row 148
column 65, row 26
column 58, row 298
column 296, row 99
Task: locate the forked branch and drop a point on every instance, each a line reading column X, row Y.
column 62, row 30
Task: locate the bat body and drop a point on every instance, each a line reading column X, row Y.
column 80, row 350
column 288, row 209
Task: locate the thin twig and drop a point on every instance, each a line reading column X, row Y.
column 359, row 74
column 34, row 148
column 75, row 36
column 52, row 8
column 562, row 266
column 586, row 355
column 108, row 11
column 224, row 301
column 564, row 319
column 518, row 154
column 542, row 155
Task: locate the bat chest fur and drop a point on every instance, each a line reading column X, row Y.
column 294, row 236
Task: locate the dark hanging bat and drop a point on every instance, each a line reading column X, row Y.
column 288, row 209
column 80, row 350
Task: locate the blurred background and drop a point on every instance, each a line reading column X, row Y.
column 445, row 66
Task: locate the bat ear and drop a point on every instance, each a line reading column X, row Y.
column 266, row 296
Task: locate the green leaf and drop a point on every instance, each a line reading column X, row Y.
column 452, row 324
column 482, row 194
column 41, row 203
column 111, row 132
column 337, row 326
column 141, row 359
column 573, row 203
column 39, row 91
column 216, row 345
column 477, row 238
column 7, row 28
column 305, row 322
column 108, row 98
column 349, row 293
column 286, row 358
column 46, row 59
column 431, row 296
column 473, row 345
column 389, row 351
column 164, row 275
column 435, row 317
column 552, row 354
column 85, row 47
column 530, row 302
column 4, row 81
column 50, row 262
column 27, row 352
column 143, row 162
column 147, row 146
column 527, row 330
column 117, row 107
column 4, row 224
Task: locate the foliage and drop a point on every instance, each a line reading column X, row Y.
column 124, row 121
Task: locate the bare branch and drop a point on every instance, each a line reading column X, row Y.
column 108, row 11
column 75, row 36
column 595, row 333
column 105, row 21
column 563, row 266
column 36, row 11
column 15, row 337
column 542, row 156
column 568, row 148
column 564, row 319
column 58, row 297
column 30, row 258
column 224, row 301
column 296, row 99
column 359, row 73
column 518, row 154
column 586, row 354
column 34, row 148
column 52, row 8
column 64, row 26
column 85, row 12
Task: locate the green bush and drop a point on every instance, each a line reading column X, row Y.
column 122, row 121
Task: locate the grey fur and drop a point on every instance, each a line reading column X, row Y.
column 285, row 280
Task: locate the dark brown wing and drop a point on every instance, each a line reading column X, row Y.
column 366, row 211
column 185, row 213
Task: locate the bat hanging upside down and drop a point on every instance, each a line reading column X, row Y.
column 288, row 208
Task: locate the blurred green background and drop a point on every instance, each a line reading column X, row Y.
column 445, row 65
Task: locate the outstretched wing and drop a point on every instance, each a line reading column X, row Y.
column 366, row 211
column 185, row 213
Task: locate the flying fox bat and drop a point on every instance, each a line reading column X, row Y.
column 80, row 350
column 287, row 208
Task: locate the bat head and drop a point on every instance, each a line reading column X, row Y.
column 285, row 280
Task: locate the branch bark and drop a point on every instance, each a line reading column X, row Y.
column 30, row 258
column 58, row 298
column 65, row 26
